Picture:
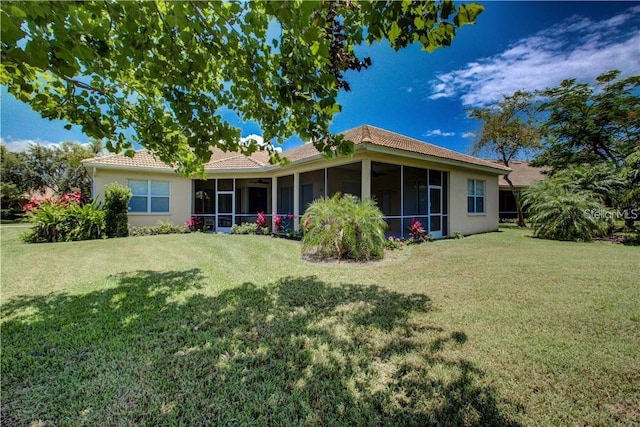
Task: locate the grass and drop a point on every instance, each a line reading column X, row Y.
column 494, row 329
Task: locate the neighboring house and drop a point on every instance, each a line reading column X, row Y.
column 410, row 180
column 522, row 175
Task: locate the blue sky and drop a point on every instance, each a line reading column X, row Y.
column 513, row 46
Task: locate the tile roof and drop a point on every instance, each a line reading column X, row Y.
column 384, row 138
column 522, row 174
column 368, row 134
column 365, row 134
column 220, row 160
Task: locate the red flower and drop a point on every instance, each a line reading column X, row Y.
column 31, row 205
column 261, row 222
column 277, row 222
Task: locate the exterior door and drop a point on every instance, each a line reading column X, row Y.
column 435, row 211
column 225, row 211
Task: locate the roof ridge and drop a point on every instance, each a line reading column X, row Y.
column 487, row 162
column 225, row 158
column 250, row 157
column 366, row 136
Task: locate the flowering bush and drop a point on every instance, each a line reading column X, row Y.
column 34, row 205
column 261, row 222
column 417, row 231
column 74, row 197
column 394, row 243
column 66, row 219
column 195, row 223
column 277, row 223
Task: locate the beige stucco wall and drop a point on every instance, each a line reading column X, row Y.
column 459, row 219
column 179, row 205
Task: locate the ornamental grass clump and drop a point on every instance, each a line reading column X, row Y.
column 343, row 227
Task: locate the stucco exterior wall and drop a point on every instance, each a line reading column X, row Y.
column 180, row 194
column 459, row 219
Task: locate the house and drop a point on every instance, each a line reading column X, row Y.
column 410, row 180
column 522, row 175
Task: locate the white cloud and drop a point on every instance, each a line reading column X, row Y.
column 468, row 135
column 18, row 145
column 438, row 132
column 577, row 48
column 259, row 139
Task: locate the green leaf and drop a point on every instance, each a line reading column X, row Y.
column 467, row 14
column 394, row 33
column 9, row 31
column 315, row 47
column 37, row 53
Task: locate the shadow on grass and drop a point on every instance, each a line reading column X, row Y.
column 294, row 352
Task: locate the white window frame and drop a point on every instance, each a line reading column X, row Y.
column 476, row 196
column 149, row 197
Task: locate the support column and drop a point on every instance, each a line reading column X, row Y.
column 296, row 201
column 274, row 200
column 366, row 179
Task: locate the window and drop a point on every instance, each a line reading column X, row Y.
column 149, row 196
column 475, row 196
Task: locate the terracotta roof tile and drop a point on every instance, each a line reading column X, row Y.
column 522, row 174
column 384, row 138
column 220, row 160
column 141, row 159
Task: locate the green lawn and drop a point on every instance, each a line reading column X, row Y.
column 494, row 329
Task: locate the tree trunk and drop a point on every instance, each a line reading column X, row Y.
column 516, row 196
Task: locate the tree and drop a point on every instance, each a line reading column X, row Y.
column 508, row 129
column 161, row 73
column 58, row 169
column 72, row 174
column 597, row 127
column 589, row 124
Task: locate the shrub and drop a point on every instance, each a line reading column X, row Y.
column 394, row 243
column 244, row 228
column 417, row 231
column 344, row 227
column 85, row 222
column 47, row 218
column 167, row 227
column 195, row 223
column 116, row 205
column 261, row 221
column 161, row 227
column 560, row 212
column 64, row 220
